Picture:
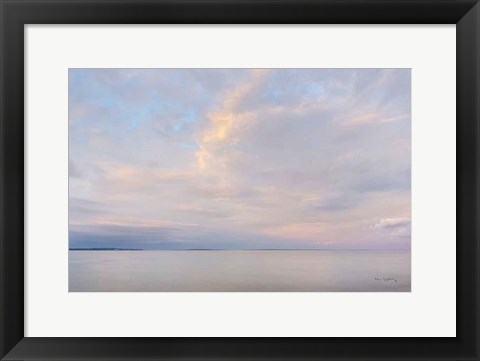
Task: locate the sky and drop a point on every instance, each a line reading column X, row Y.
column 240, row 158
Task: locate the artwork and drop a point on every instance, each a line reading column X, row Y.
column 239, row 180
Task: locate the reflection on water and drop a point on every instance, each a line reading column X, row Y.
column 239, row 271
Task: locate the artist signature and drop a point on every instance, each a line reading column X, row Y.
column 386, row 279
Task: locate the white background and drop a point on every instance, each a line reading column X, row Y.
column 429, row 310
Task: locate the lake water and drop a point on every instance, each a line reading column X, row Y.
column 239, row 271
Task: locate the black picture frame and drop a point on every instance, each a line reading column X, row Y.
column 15, row 14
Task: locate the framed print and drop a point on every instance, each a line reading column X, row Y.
column 239, row 180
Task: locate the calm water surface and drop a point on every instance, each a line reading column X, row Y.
column 239, row 271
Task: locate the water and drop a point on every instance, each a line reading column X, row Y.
column 239, row 271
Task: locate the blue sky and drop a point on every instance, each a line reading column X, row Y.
column 240, row 158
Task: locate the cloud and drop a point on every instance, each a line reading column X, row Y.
column 84, row 210
column 228, row 123
column 171, row 236
column 314, row 157
column 400, row 227
column 73, row 170
column 340, row 202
